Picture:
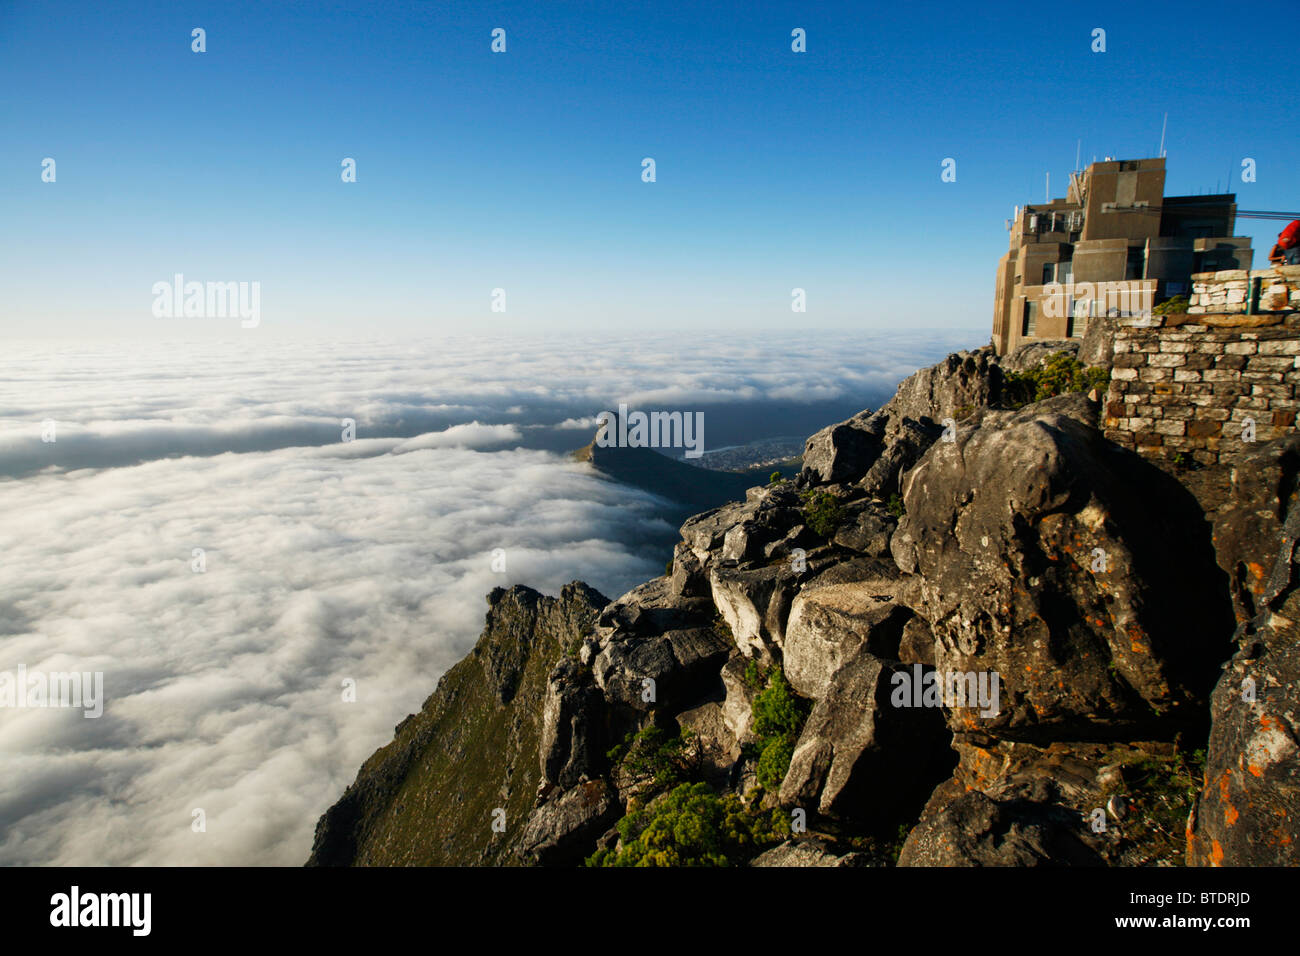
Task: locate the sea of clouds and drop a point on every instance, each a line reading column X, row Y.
column 326, row 561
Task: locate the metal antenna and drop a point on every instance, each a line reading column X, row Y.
column 1162, row 134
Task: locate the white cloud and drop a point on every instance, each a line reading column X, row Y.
column 367, row 560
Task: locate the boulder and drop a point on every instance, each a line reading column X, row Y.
column 840, row 452
column 704, row 533
column 909, row 441
column 670, row 669
column 1248, row 524
column 688, row 579
column 962, row 380
column 853, row 450
column 1033, row 354
column 1077, row 572
column 754, row 602
column 1098, row 345
column 808, row 851
column 560, row 831
column 828, row 625
column 859, row 755
column 866, row 529
column 1249, row 812
column 977, row 830
column 573, row 738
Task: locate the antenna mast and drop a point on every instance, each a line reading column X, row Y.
column 1162, row 134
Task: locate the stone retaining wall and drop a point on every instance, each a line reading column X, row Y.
column 1226, row 292
column 1192, row 385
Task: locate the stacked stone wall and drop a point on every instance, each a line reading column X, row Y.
column 1203, row 386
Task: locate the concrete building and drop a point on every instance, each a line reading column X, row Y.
column 1115, row 245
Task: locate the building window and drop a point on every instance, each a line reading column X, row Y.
column 1030, row 323
column 1076, row 324
column 1135, row 268
column 1049, row 272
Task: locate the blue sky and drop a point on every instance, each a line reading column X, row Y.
column 522, row 170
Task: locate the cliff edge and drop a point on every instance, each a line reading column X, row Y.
column 972, row 631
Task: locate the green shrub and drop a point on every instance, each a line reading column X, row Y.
column 774, row 763
column 1161, row 791
column 779, row 715
column 822, row 512
column 1059, row 374
column 777, row 710
column 775, row 478
column 693, row 826
column 895, row 505
column 651, row 755
column 1178, row 303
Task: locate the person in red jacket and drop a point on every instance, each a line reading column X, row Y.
column 1288, row 245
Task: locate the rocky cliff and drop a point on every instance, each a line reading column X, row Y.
column 965, row 634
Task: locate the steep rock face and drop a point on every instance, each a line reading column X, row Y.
column 1248, row 524
column 876, row 448
column 1029, row 547
column 975, row 829
column 850, row 758
column 1249, row 812
column 560, row 831
column 428, row 797
column 1068, row 567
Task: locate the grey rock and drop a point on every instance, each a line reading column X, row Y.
column 828, row 625
column 1004, row 526
column 1247, row 814
column 754, row 602
column 808, row 851
column 560, row 831
column 977, row 830
column 1030, row 355
column 572, row 741
column 859, row 754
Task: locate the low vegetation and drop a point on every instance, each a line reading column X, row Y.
column 779, row 715
column 1059, row 374
column 656, row 760
column 693, row 826
column 822, row 512
column 1178, row 303
column 1160, row 793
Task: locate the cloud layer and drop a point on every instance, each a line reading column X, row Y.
column 326, row 561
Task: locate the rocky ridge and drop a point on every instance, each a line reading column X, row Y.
column 1073, row 603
